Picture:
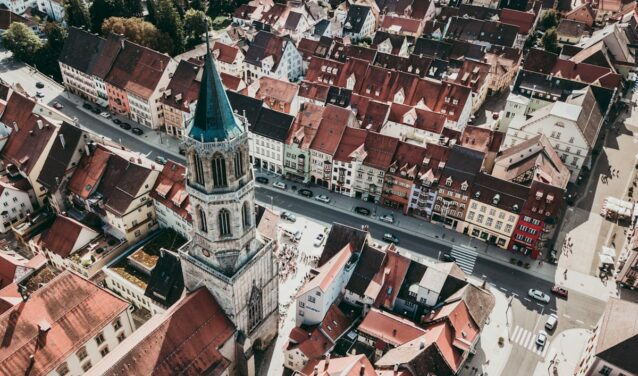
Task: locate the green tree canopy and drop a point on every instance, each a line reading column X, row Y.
column 133, row 8
column 195, row 24
column 550, row 40
column 47, row 57
column 77, row 14
column 150, row 7
column 22, row 41
column 549, row 19
column 168, row 21
column 103, row 9
column 135, row 30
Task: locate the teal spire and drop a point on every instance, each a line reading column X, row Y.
column 214, row 119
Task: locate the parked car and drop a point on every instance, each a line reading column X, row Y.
column 137, row 131
column 105, row 115
column 560, row 292
column 541, row 339
column 161, row 160
column 288, row 216
column 261, row 179
column 305, row 192
column 96, row 110
column 117, row 121
column 39, row 94
column 125, row 126
column 280, row 185
column 446, row 257
column 538, row 295
column 87, row 106
column 58, row 105
column 323, row 198
column 319, row 240
column 552, row 321
column 387, row 218
column 361, row 210
column 39, row 85
column 390, row 238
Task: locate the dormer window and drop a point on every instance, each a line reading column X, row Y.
column 464, row 186
column 447, row 99
column 549, row 198
column 496, row 199
column 448, row 181
column 539, row 195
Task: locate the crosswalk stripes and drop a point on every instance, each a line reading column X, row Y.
column 527, row 340
column 465, row 258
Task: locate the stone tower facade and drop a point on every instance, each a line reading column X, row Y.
column 225, row 254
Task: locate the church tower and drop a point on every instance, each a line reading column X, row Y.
column 225, row 254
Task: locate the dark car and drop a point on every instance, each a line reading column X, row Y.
column 96, row 110
column 117, row 121
column 87, row 106
column 261, row 179
column 390, row 238
column 305, row 192
column 39, row 85
column 446, row 257
column 560, row 292
column 361, row 210
column 137, row 131
column 125, row 126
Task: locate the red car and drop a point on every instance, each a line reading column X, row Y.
column 560, row 292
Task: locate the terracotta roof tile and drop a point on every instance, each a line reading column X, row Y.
column 183, row 86
column 170, row 189
column 341, row 235
column 352, row 139
column 148, row 71
column 380, row 150
column 334, row 122
column 354, row 365
column 389, row 328
column 327, row 272
column 224, row 53
column 63, row 236
column 76, row 311
column 524, row 20
column 89, row 172
column 402, row 24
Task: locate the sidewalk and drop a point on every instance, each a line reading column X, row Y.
column 415, row 226
column 564, row 353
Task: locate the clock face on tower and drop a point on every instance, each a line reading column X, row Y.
column 205, row 252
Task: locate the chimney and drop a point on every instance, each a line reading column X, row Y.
column 316, row 371
column 122, row 42
column 362, row 370
column 62, row 141
column 87, row 149
column 421, row 345
column 40, row 123
column 15, row 126
column 57, row 180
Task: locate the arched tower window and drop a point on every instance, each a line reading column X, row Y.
column 245, row 215
column 239, row 164
column 203, row 226
column 199, row 170
column 219, row 171
column 254, row 308
column 224, row 222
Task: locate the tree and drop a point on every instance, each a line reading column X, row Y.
column 77, row 14
column 47, row 57
column 167, row 20
column 197, row 5
column 103, row 9
column 549, row 19
column 135, row 30
column 150, row 7
column 22, row 41
column 550, row 40
column 133, row 8
column 195, row 24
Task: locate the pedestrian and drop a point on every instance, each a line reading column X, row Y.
column 565, row 274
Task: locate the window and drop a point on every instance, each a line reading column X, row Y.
column 301, row 304
column 121, row 337
column 508, row 228
column 470, row 215
column 480, row 218
column 63, row 369
column 224, row 222
column 117, row 324
column 499, row 224
column 311, row 299
column 254, row 308
column 488, row 221
column 239, row 164
column 245, row 215
column 605, row 371
column 219, row 171
column 99, row 338
column 104, row 351
column 86, row 366
column 203, row 226
column 199, row 170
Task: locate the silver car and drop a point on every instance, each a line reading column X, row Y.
column 323, row 198
column 541, row 339
column 538, row 295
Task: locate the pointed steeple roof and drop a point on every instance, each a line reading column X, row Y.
column 214, row 119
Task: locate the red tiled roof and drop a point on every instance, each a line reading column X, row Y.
column 328, row 271
column 89, row 172
column 324, row 71
column 314, row 91
column 170, row 189
column 473, row 74
column 394, row 272
column 62, row 236
column 425, row 120
column 465, row 330
column 334, row 122
column 183, row 86
column 74, row 308
column 352, row 139
column 370, row 113
column 8, row 266
column 403, row 24
column 224, row 53
column 148, row 71
column 187, row 338
column 380, row 149
column 389, row 328
column 482, row 139
column 354, row 365
column 27, row 144
column 524, row 20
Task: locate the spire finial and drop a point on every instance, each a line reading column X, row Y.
column 207, row 42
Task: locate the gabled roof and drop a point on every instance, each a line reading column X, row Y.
column 369, row 263
column 183, row 88
column 73, row 308
column 29, row 136
column 225, row 53
column 462, row 165
column 352, row 139
column 273, row 124
column 503, row 194
column 170, row 190
column 493, row 32
column 79, row 49
column 401, row 24
column 166, row 282
column 63, row 235
column 214, row 119
column 102, row 61
column 389, row 328
column 618, row 334
column 380, row 150
column 396, row 41
column 327, row 272
column 187, row 338
column 266, row 44
column 58, row 160
column 478, row 300
column 353, row 365
column 355, row 19
column 334, row 122
column 339, row 236
column 524, row 20
column 89, row 172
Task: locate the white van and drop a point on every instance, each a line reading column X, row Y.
column 552, row 320
column 291, row 232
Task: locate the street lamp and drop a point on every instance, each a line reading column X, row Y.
column 271, row 202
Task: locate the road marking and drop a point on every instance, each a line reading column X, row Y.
column 515, row 294
column 502, row 289
column 517, row 332
column 527, row 299
column 553, row 310
column 567, row 316
column 579, row 322
column 545, row 350
column 540, row 305
column 525, row 341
